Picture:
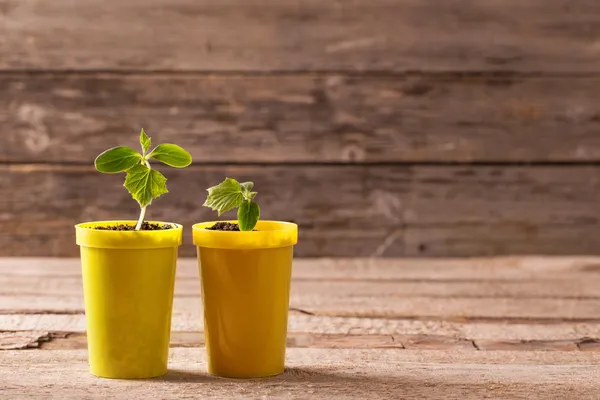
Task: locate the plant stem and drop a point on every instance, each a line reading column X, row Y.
column 141, row 220
column 143, row 210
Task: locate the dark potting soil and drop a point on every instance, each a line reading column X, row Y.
column 226, row 226
column 146, row 226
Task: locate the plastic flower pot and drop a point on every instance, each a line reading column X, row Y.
column 246, row 289
column 128, row 279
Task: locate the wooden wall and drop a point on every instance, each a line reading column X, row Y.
column 382, row 127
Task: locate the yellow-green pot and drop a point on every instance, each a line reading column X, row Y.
column 245, row 289
column 128, row 279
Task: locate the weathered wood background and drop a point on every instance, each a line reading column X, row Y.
column 382, row 127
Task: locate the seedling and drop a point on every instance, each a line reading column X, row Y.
column 231, row 194
column 144, row 183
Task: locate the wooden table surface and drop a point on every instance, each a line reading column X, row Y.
column 371, row 328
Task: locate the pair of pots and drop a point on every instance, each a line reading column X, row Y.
column 128, row 283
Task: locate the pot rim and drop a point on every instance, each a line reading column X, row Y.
column 88, row 237
column 269, row 234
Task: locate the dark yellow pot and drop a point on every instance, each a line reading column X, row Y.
column 245, row 289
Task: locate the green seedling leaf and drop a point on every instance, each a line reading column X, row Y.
column 225, row 196
column 247, row 186
column 231, row 194
column 145, row 184
column 248, row 215
column 145, row 141
column 246, row 190
column 117, row 159
column 172, row 155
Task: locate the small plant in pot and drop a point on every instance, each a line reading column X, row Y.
column 245, row 267
column 128, row 270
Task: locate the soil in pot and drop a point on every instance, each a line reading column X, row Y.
column 146, row 226
column 226, row 226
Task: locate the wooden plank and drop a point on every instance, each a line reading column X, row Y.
column 302, row 118
column 324, row 373
column 78, row 341
column 502, row 277
column 344, row 280
column 347, row 305
column 377, row 211
column 521, row 269
column 524, row 345
column 344, row 341
column 273, row 35
column 394, row 356
column 584, row 287
column 498, row 330
column 22, row 340
column 435, row 343
column 589, row 344
column 545, row 299
column 510, row 269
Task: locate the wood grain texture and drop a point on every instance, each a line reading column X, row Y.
column 342, row 210
column 324, row 373
column 302, row 118
column 496, row 330
column 273, row 35
column 495, row 270
column 347, row 305
column 501, row 277
column 78, row 341
column 555, row 345
column 375, row 298
column 22, row 340
column 344, row 301
column 589, row 344
column 332, row 356
column 584, row 287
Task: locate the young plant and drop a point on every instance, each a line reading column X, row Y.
column 143, row 182
column 231, row 194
